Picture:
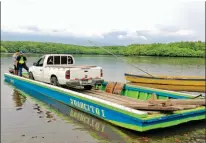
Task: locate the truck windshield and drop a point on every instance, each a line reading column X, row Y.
column 40, row 62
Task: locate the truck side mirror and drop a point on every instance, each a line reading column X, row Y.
column 34, row 64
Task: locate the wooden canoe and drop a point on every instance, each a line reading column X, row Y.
column 176, row 83
column 188, row 88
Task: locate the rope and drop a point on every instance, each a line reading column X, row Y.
column 121, row 59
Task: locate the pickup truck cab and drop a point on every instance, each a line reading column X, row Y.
column 60, row 69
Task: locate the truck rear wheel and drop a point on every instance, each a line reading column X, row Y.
column 54, row 81
column 87, row 87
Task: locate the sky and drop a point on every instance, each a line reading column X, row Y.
column 110, row 22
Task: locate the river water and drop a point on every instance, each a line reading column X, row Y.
column 23, row 122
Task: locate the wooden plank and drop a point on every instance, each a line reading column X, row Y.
column 118, row 88
column 124, row 103
column 110, row 87
column 117, row 97
column 183, row 107
column 170, row 102
column 143, row 105
column 162, row 108
column 107, row 98
column 153, row 108
column 137, row 104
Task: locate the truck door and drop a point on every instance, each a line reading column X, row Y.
column 39, row 70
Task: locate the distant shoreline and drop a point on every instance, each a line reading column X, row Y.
column 177, row 49
column 35, row 54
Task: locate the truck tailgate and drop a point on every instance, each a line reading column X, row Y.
column 82, row 73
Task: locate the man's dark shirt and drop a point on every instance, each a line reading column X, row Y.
column 18, row 59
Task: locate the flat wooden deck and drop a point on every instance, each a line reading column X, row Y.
column 151, row 106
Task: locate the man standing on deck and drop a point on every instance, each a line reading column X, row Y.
column 21, row 63
column 15, row 55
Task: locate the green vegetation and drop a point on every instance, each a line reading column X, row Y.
column 3, row 50
column 176, row 49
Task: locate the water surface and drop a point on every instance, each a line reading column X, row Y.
column 26, row 119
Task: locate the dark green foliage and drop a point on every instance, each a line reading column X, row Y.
column 176, row 49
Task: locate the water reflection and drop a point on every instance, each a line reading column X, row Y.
column 18, row 99
column 95, row 127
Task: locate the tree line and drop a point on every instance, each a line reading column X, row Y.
column 175, row 49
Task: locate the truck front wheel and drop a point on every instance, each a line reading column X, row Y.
column 87, row 87
column 31, row 76
column 54, row 81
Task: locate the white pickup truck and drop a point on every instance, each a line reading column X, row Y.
column 60, row 69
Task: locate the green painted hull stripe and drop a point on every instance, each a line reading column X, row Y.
column 161, row 125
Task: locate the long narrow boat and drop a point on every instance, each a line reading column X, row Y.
column 127, row 108
column 176, row 83
column 187, row 88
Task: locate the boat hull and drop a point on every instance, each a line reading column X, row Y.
column 175, row 83
column 116, row 114
column 188, row 88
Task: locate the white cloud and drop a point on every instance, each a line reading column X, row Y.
column 183, row 32
column 132, row 35
column 92, row 17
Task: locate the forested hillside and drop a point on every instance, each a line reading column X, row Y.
column 177, row 49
